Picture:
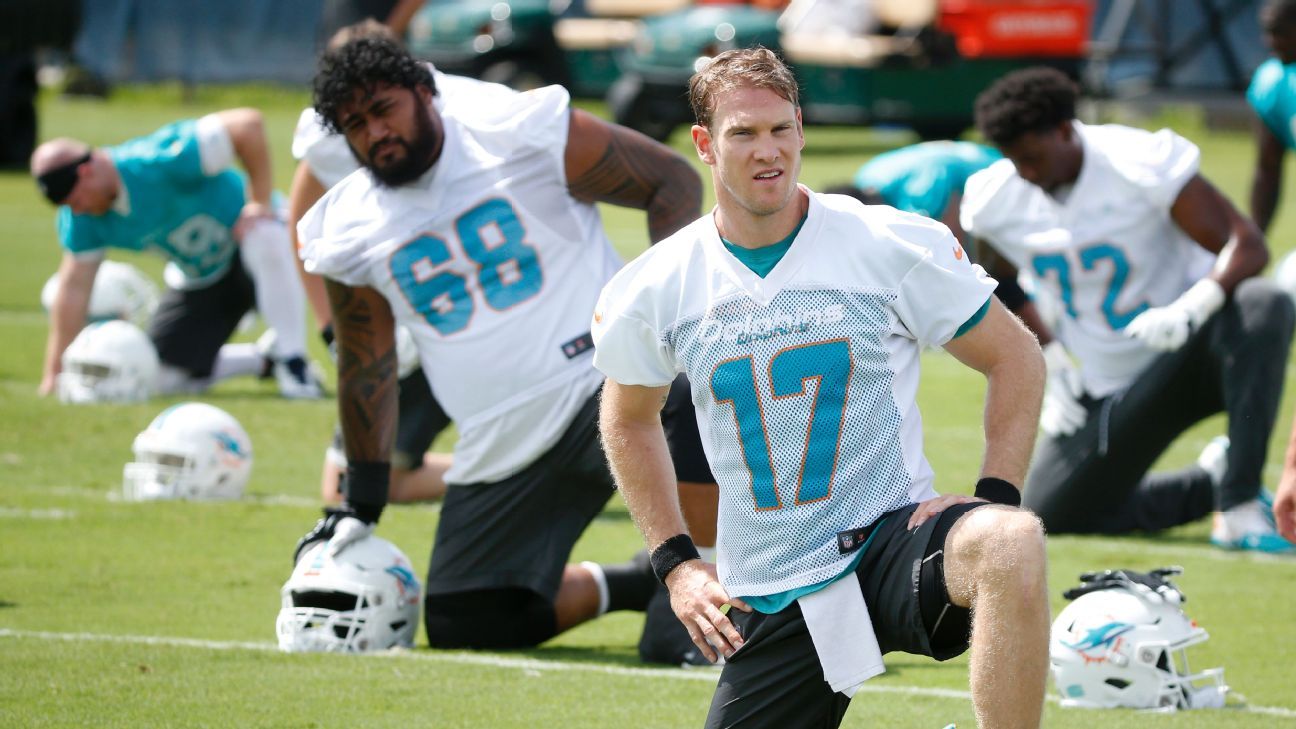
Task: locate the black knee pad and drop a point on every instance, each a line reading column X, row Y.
column 510, row 617
column 1263, row 299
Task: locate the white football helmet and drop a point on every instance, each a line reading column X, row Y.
column 109, row 361
column 189, row 451
column 364, row 599
column 1123, row 643
column 120, row 291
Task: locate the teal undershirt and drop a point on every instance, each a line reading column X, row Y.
column 974, row 319
column 763, row 260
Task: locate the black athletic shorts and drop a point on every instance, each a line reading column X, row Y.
column 419, row 420
column 519, row 532
column 191, row 326
column 679, row 420
column 775, row 679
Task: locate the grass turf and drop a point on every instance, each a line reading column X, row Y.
column 117, row 614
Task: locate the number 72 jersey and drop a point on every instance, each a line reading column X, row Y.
column 803, row 381
column 492, row 266
column 1107, row 252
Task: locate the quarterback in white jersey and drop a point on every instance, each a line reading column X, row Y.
column 800, row 319
column 480, row 237
column 1152, row 270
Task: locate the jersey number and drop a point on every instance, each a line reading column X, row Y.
column 1090, row 257
column 200, row 240
column 829, row 364
column 508, row 269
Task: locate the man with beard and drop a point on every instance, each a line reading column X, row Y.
column 478, row 233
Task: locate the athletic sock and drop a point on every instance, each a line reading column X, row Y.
column 630, row 585
column 596, row 571
column 267, row 254
column 234, row 360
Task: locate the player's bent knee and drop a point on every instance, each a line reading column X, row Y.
column 489, row 619
column 996, row 540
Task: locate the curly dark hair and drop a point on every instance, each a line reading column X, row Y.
column 1278, row 15
column 1030, row 100
column 359, row 67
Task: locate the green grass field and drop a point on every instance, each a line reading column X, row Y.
column 142, row 615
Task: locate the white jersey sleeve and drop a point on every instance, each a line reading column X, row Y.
column 629, row 344
column 1157, row 163
column 988, row 200
column 944, row 290
column 215, row 148
column 326, row 153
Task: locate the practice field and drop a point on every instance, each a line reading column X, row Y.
column 142, row 615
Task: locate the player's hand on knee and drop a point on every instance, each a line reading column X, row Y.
column 697, row 597
column 252, row 213
column 1062, row 413
column 933, row 507
column 1167, row 328
column 341, row 526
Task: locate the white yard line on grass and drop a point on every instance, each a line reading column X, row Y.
column 12, row 513
column 530, row 666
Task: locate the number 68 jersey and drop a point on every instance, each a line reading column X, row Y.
column 803, row 381
column 492, row 266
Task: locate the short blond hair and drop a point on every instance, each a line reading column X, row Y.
column 755, row 67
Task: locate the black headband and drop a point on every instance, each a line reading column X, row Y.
column 57, row 183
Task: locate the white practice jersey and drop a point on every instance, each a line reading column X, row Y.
column 1108, row 252
column 492, row 266
column 330, row 158
column 804, row 381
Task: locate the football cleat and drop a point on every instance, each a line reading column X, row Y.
column 1250, row 527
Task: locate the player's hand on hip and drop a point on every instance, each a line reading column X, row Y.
column 697, row 597
column 1167, row 328
column 1062, row 413
column 341, row 526
column 933, row 507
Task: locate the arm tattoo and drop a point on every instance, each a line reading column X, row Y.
column 637, row 172
column 366, row 355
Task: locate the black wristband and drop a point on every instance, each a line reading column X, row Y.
column 365, row 487
column 998, row 491
column 1011, row 294
column 671, row 554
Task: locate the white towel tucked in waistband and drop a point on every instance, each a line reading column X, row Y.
column 843, row 636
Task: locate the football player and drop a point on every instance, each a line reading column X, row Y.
column 800, row 318
column 478, row 233
column 1272, row 95
column 175, row 193
column 323, row 160
column 1163, row 321
column 925, row 178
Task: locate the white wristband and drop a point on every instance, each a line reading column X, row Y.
column 1203, row 299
